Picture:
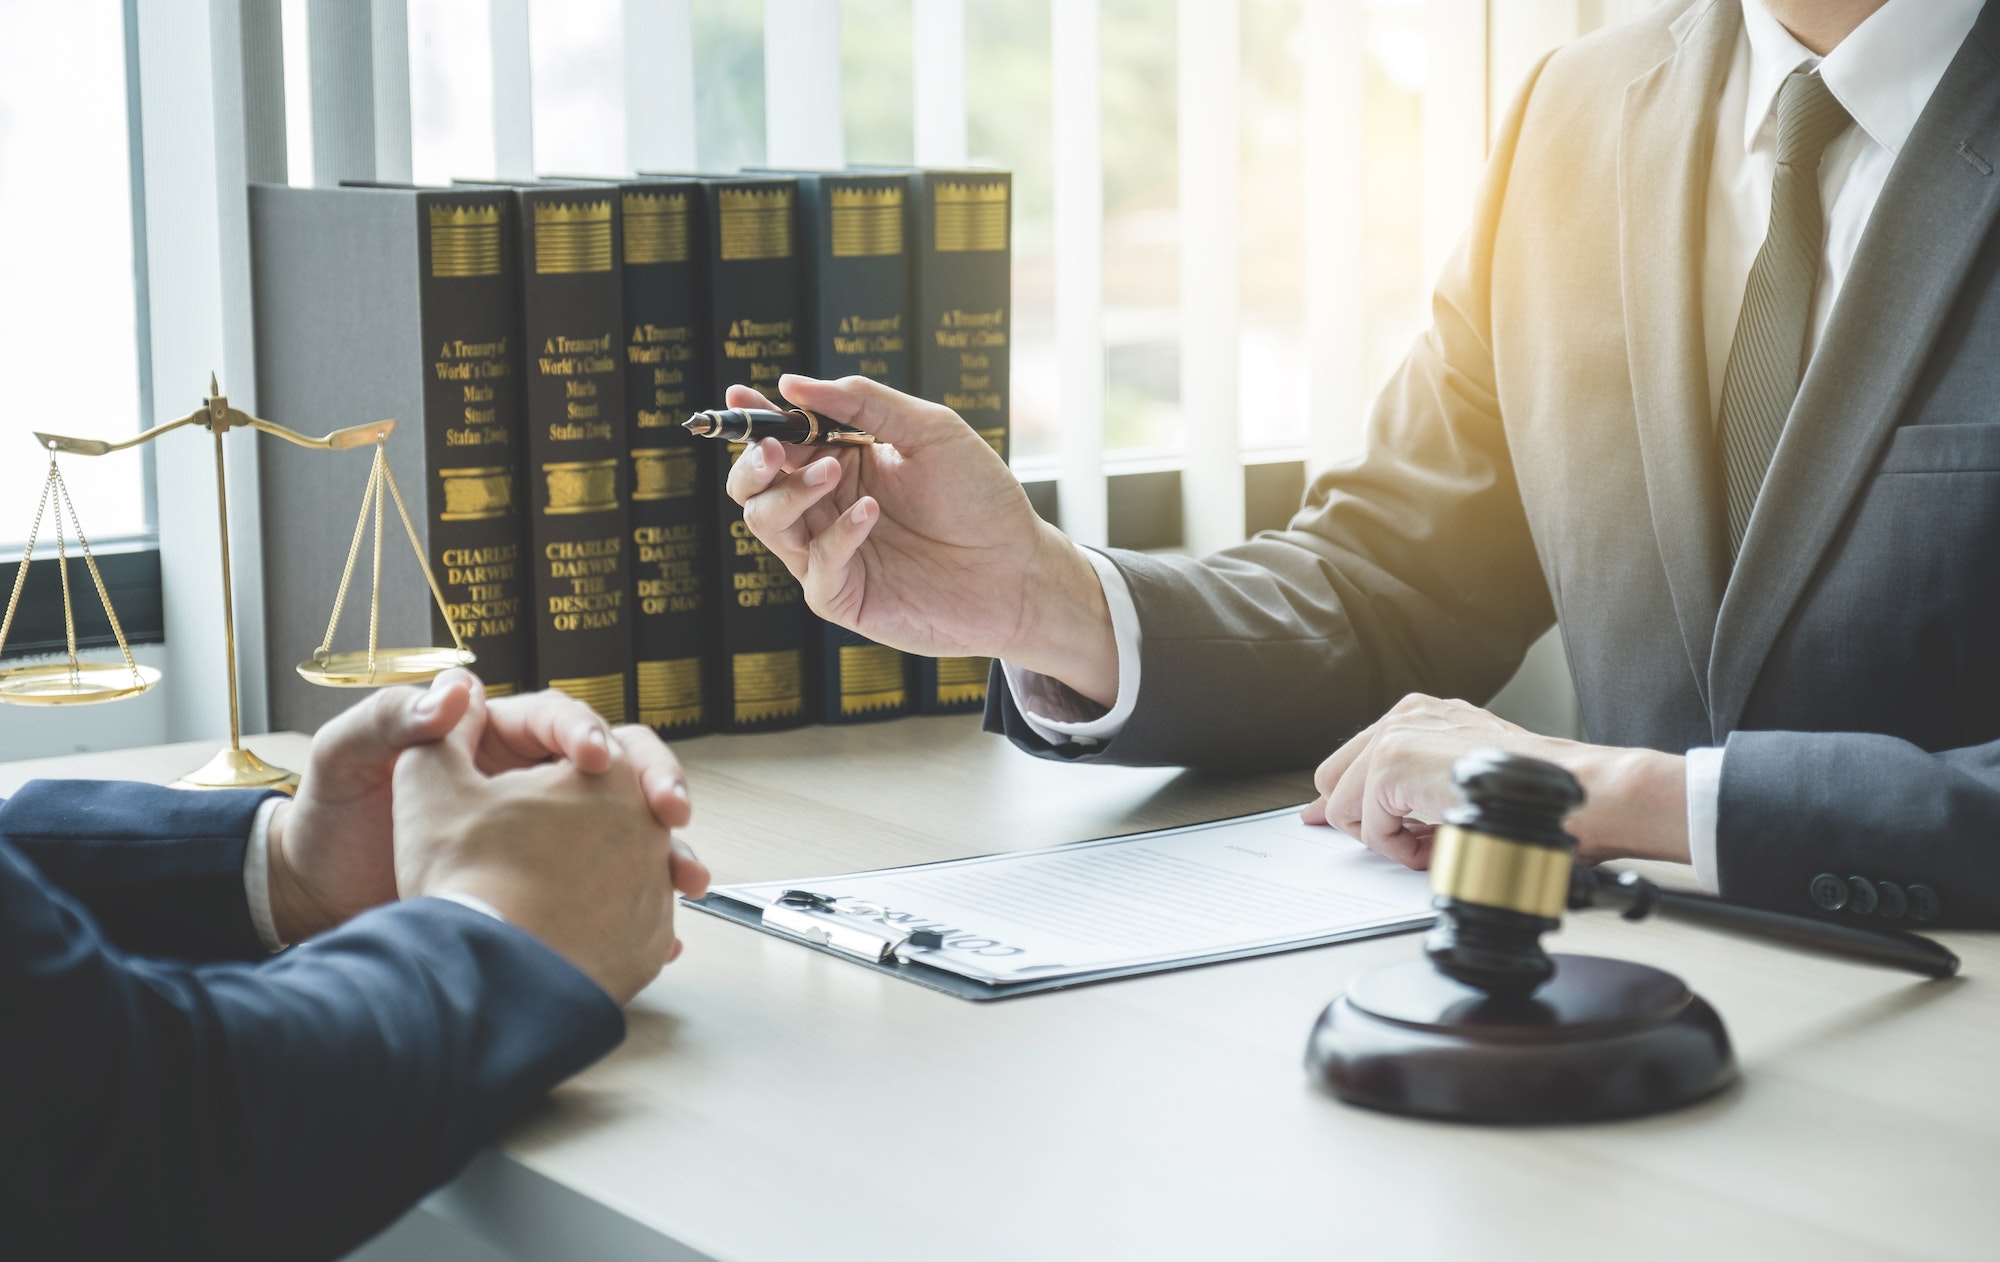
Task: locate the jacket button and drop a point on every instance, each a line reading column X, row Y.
column 1893, row 901
column 1923, row 903
column 1861, row 898
column 1829, row 892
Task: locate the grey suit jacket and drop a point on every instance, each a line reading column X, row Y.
column 1547, row 453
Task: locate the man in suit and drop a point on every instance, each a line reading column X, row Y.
column 171, row 1088
column 1710, row 384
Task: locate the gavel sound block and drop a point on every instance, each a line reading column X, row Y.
column 1490, row 1028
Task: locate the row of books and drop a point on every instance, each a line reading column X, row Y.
column 540, row 345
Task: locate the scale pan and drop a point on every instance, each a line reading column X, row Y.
column 391, row 666
column 57, row 683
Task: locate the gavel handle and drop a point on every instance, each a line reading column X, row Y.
column 1636, row 898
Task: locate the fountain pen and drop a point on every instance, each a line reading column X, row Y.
column 793, row 425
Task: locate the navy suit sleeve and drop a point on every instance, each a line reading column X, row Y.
column 160, row 870
column 285, row 1110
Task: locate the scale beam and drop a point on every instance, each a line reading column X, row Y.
column 77, row 681
column 231, row 418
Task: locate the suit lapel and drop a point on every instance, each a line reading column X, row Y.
column 1663, row 189
column 1935, row 210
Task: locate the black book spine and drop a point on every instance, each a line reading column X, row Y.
column 574, row 385
column 672, row 473
column 756, row 313
column 856, row 232
column 962, row 313
column 467, row 288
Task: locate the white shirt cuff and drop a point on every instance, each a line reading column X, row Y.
column 257, row 875
column 479, row 905
column 1053, row 710
column 257, row 881
column 1704, row 802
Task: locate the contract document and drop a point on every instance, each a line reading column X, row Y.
column 1201, row 893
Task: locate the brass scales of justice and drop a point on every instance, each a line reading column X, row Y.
column 79, row 682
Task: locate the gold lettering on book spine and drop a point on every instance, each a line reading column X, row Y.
column 572, row 238
column 476, row 494
column 962, row 679
column 670, row 692
column 656, row 228
column 465, row 240
column 871, row 678
column 970, row 217
column 581, row 486
column 602, row 693
column 768, row 685
column 663, row 473
column 867, row 222
column 756, row 223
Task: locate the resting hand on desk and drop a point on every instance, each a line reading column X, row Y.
column 925, row 541
column 330, row 855
column 1389, row 784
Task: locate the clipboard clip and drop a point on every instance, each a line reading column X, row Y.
column 823, row 920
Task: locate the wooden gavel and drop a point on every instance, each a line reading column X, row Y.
column 1491, row 1028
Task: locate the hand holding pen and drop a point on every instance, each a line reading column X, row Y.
column 923, row 540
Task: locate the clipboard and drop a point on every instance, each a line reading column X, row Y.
column 799, row 927
column 953, row 984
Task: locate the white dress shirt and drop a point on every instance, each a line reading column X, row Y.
column 1883, row 74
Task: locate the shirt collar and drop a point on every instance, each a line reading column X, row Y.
column 1882, row 74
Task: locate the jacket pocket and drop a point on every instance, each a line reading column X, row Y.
column 1944, row 449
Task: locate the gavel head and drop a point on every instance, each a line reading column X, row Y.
column 1500, row 871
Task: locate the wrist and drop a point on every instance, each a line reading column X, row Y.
column 1067, row 633
column 295, row 914
column 1635, row 805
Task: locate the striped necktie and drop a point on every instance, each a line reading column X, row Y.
column 1768, row 356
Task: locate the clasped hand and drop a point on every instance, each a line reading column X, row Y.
column 528, row 802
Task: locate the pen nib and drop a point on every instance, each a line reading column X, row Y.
column 701, row 424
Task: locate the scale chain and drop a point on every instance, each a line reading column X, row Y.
column 422, row 560
column 28, row 554
column 375, row 592
column 90, row 562
column 347, row 572
column 62, row 568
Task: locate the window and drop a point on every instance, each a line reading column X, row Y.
column 68, row 307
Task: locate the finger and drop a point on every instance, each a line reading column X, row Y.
column 1386, row 825
column 833, row 549
column 761, row 464
column 525, row 730
column 437, row 709
column 660, row 776
column 1385, row 833
column 455, row 756
column 691, row 875
column 1314, row 811
column 747, row 397
column 1337, row 763
column 1346, row 796
column 674, row 952
column 368, row 736
column 777, row 516
column 902, row 420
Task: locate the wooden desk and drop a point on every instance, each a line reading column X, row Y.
column 775, row 1105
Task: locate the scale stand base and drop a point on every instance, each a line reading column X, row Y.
column 238, row 769
column 1601, row 1039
